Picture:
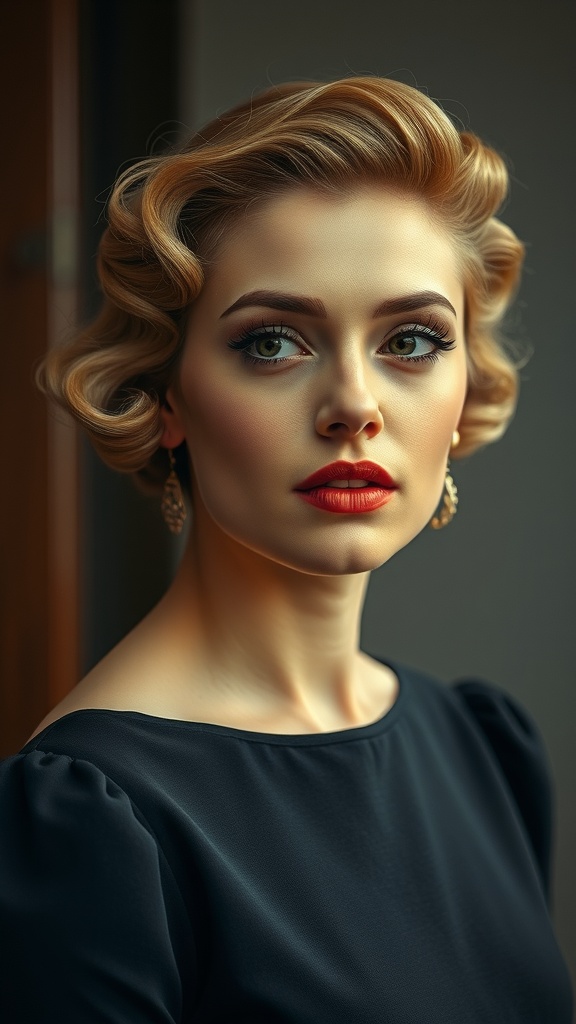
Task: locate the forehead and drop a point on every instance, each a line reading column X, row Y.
column 366, row 240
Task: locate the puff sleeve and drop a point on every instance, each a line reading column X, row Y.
column 519, row 749
column 88, row 906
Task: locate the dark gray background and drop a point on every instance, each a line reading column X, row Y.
column 492, row 595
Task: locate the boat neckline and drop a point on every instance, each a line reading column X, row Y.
column 385, row 721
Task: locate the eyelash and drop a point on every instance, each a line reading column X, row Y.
column 263, row 330
column 433, row 330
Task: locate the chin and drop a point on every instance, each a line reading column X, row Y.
column 333, row 559
column 326, row 551
column 354, row 563
column 353, row 567
column 340, row 555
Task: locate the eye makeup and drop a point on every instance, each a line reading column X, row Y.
column 433, row 333
column 271, row 338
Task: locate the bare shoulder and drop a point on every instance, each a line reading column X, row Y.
column 94, row 691
column 129, row 678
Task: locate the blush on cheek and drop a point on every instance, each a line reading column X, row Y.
column 234, row 434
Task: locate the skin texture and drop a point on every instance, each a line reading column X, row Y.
column 260, row 627
column 254, row 434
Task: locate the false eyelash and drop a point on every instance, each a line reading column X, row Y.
column 434, row 331
column 438, row 327
column 252, row 332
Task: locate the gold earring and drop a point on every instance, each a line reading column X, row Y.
column 449, row 503
column 172, row 506
column 450, row 495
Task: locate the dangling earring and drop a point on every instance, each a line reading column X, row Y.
column 172, row 506
column 450, row 495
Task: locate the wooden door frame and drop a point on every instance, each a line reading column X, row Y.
column 39, row 514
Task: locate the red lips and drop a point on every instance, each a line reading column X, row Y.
column 348, row 500
column 348, row 471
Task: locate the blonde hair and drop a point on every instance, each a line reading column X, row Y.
column 167, row 215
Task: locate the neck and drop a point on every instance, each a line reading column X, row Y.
column 265, row 637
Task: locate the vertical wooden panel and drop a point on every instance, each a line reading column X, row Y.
column 38, row 513
column 63, row 268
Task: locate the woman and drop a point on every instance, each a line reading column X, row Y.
column 238, row 815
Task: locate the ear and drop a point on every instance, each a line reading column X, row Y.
column 173, row 431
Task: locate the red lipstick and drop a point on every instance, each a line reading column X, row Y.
column 376, row 489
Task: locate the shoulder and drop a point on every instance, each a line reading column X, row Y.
column 120, row 682
column 76, row 854
column 141, row 674
column 511, row 733
column 125, row 749
column 502, row 717
column 63, row 816
column 489, row 734
column 61, row 790
column 483, row 715
column 486, row 710
column 519, row 749
column 517, row 746
column 79, row 799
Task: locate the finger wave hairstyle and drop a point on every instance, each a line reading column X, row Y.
column 168, row 214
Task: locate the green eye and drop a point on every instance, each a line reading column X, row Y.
column 403, row 345
column 418, row 343
column 268, row 346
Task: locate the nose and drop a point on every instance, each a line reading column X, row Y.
column 349, row 406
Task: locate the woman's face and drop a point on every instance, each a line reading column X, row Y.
column 353, row 349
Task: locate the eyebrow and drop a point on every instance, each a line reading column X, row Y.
column 315, row 307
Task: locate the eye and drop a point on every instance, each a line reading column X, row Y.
column 269, row 347
column 418, row 342
column 268, row 344
column 409, row 345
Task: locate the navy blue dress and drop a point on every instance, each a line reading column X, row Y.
column 155, row 871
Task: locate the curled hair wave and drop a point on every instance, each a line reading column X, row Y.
column 168, row 214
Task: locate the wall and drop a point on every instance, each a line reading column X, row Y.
column 128, row 110
column 491, row 596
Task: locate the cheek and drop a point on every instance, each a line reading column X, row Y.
column 433, row 420
column 432, row 412
column 432, row 439
column 229, row 434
